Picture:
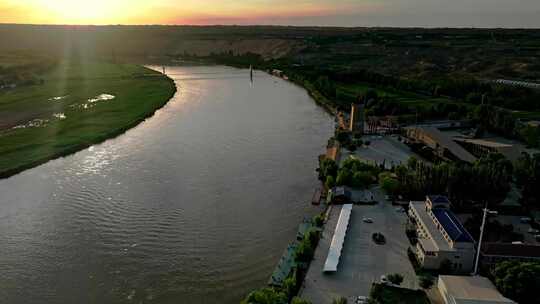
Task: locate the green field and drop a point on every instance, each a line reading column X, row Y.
column 64, row 113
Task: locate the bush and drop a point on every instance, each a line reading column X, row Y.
column 426, row 282
column 340, row 300
column 265, row 296
column 518, row 281
column 412, row 258
column 395, row 278
column 298, row 300
column 318, row 220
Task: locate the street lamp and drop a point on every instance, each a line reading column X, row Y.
column 486, row 212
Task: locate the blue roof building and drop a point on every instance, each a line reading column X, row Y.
column 441, row 236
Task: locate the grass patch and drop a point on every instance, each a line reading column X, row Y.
column 394, row 295
column 71, row 122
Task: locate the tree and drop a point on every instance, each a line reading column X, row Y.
column 327, row 167
column 298, row 300
column 265, row 296
column 330, row 182
column 426, row 282
column 395, row 278
column 343, row 177
column 517, row 280
column 340, row 300
column 389, row 184
column 361, row 179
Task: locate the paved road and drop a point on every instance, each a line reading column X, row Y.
column 362, row 261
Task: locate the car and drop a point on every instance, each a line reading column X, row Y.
column 379, row 238
column 384, row 280
column 533, row 231
column 387, row 197
column 400, row 209
column 525, row 220
column 367, row 220
column 361, row 300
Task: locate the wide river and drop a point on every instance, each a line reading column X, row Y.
column 194, row 205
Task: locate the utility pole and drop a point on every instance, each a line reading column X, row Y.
column 486, row 212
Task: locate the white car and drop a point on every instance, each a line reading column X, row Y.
column 384, row 280
column 361, row 300
column 367, row 220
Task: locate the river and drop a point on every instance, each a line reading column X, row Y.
column 194, row 205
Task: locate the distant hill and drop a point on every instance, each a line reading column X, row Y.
column 412, row 52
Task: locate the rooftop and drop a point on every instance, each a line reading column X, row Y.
column 447, row 142
column 438, row 199
column 511, row 250
column 486, row 143
column 452, row 225
column 472, row 288
column 436, row 238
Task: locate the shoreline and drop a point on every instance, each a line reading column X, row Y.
column 98, row 140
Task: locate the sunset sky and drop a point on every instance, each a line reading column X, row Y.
column 429, row 13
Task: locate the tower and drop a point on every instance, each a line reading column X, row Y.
column 357, row 118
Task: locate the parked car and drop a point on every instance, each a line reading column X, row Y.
column 400, row 209
column 379, row 238
column 367, row 220
column 384, row 280
column 525, row 220
column 361, row 300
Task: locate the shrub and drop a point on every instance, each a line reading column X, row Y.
column 395, row 278
column 426, row 282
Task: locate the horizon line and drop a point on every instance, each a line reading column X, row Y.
column 270, row 25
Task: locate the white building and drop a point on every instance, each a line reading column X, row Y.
column 441, row 236
column 469, row 290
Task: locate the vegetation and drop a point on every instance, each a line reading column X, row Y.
column 352, row 172
column 426, row 281
column 382, row 294
column 297, row 300
column 265, row 296
column 68, row 112
column 395, row 278
column 288, row 291
column 491, row 177
column 339, row 300
column 518, row 280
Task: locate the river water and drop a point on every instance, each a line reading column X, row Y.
column 194, row 205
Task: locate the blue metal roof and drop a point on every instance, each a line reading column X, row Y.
column 438, row 199
column 452, row 225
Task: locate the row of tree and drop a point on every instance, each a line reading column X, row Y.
column 288, row 291
column 518, row 281
column 487, row 180
column 352, row 172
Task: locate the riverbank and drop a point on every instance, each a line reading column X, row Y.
column 78, row 104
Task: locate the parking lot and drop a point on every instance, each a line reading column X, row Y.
column 362, row 261
column 387, row 149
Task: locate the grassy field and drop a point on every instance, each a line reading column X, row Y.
column 77, row 105
column 409, row 99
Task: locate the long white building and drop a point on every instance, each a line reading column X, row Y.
column 441, row 236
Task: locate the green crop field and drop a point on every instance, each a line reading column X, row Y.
column 74, row 106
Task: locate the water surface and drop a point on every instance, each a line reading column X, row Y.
column 194, row 205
